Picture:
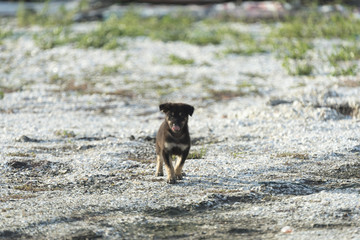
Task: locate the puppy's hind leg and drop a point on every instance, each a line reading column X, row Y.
column 159, row 166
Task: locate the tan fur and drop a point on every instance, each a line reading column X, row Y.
column 170, row 172
column 159, row 166
column 173, row 139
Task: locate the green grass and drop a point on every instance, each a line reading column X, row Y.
column 297, row 68
column 302, row 156
column 311, row 24
column 247, row 49
column 177, row 60
column 350, row 70
column 62, row 17
column 345, row 53
column 109, row 70
column 245, row 44
column 31, row 188
column 294, row 49
column 5, row 34
column 198, row 154
column 291, row 40
column 342, row 60
column 168, row 28
column 65, row 134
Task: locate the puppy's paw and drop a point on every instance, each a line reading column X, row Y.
column 159, row 174
column 179, row 177
column 171, row 180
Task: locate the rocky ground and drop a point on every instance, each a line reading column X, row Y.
column 273, row 156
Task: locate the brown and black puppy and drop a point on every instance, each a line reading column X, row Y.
column 173, row 138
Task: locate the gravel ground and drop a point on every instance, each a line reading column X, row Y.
column 279, row 160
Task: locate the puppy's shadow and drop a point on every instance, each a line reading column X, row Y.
column 206, row 181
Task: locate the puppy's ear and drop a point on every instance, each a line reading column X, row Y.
column 189, row 109
column 165, row 107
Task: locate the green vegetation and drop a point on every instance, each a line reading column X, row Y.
column 4, row 34
column 311, row 25
column 65, row 133
column 53, row 37
column 345, row 53
column 169, row 28
column 31, row 188
column 176, row 60
column 342, row 60
column 109, row 70
column 26, row 17
column 302, row 156
column 200, row 154
column 246, row 44
column 12, row 197
column 292, row 40
column 239, row 154
column 297, row 68
column 350, row 70
column 241, row 89
column 294, row 49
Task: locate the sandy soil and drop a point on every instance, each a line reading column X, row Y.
column 278, row 158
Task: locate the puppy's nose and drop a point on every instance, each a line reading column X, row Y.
column 175, row 127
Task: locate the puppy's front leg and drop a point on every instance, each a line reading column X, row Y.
column 169, row 168
column 179, row 165
column 159, row 166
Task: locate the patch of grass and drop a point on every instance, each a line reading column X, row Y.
column 201, row 36
column 350, row 70
column 65, row 134
column 181, row 27
column 246, row 45
column 26, row 17
column 312, row 24
column 5, row 34
column 298, row 68
column 30, row 188
column 238, row 154
column 294, row 49
column 80, row 88
column 57, row 79
column 343, row 60
column 345, row 53
column 242, row 89
column 177, row 60
column 302, row 156
column 4, row 90
column 104, row 36
column 252, row 75
column 54, row 37
column 245, row 50
column 12, row 197
column 109, row 70
column 200, row 154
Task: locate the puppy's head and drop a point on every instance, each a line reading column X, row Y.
column 176, row 115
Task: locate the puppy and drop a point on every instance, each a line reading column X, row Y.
column 173, row 138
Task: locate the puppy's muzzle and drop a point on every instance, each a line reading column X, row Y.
column 175, row 127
